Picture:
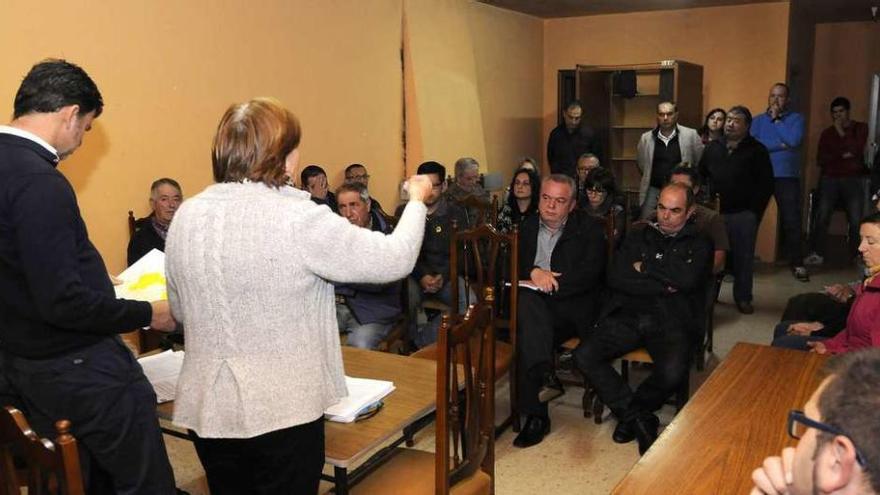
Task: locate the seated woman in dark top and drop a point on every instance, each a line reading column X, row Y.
column 601, row 194
column 521, row 202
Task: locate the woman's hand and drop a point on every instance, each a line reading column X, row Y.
column 419, row 187
column 817, row 347
column 804, row 328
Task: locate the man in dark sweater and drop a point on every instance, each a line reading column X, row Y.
column 150, row 232
column 738, row 169
column 571, row 139
column 841, row 160
column 60, row 353
column 657, row 279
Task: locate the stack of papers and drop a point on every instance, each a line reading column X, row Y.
column 363, row 394
column 145, row 279
column 162, row 371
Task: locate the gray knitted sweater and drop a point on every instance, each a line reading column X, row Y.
column 248, row 269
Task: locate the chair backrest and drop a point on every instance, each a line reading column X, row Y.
column 478, row 211
column 52, row 467
column 465, row 432
column 484, row 257
column 131, row 223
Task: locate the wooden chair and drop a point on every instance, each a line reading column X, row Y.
column 464, row 458
column 486, row 259
column 52, row 467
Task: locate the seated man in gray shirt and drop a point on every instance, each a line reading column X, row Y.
column 562, row 254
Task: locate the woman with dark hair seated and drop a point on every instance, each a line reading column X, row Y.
column 713, row 126
column 601, row 199
column 522, row 200
column 861, row 329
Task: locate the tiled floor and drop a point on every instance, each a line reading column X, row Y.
column 578, row 457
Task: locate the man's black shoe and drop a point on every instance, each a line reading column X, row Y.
column 551, row 387
column 745, row 307
column 645, row 428
column 623, row 432
column 532, row 432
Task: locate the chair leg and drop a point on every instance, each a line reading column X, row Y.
column 624, row 370
column 514, row 396
column 683, row 393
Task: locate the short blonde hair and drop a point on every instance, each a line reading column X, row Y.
column 253, row 141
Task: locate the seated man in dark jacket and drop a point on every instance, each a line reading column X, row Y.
column 562, row 254
column 657, row 280
column 150, row 232
column 366, row 312
column 430, row 276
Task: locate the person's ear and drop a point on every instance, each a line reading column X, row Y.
column 836, row 465
column 69, row 115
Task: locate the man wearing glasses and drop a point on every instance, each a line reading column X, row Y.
column 358, row 173
column 838, row 434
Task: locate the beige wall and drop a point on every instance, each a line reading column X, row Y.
column 169, row 69
column 846, row 56
column 742, row 50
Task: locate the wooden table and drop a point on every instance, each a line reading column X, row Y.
column 735, row 420
column 348, row 444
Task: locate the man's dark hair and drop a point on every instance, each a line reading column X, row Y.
column 850, row 403
column 165, row 180
column 432, row 168
column 689, row 171
column 742, row 110
column 309, row 172
column 840, row 101
column 783, row 85
column 668, row 102
column 574, row 104
column 53, row 84
column 353, row 166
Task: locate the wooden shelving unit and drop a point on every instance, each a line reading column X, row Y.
column 620, row 121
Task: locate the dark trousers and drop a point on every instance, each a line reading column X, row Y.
column 287, row 461
column 667, row 342
column 816, row 306
column 787, row 191
column 102, row 390
column 797, row 342
column 742, row 230
column 850, row 191
column 543, row 323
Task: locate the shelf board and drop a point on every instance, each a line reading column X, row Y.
column 639, row 95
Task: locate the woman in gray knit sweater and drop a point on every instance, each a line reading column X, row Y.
column 248, row 264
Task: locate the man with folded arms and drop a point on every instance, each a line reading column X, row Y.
column 838, row 449
column 562, row 253
column 657, row 279
column 60, row 352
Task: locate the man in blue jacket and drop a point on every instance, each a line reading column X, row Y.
column 365, row 312
column 781, row 131
column 60, row 353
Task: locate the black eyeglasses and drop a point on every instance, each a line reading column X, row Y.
column 798, row 423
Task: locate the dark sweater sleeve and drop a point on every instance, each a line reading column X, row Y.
column 46, row 219
column 684, row 270
column 762, row 172
column 586, row 275
column 623, row 276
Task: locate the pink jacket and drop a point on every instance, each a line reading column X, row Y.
column 862, row 324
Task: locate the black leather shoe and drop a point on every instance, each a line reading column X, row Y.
column 623, row 432
column 551, row 387
column 645, row 429
column 532, row 432
column 745, row 307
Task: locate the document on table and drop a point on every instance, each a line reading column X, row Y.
column 162, row 371
column 363, row 393
column 145, row 279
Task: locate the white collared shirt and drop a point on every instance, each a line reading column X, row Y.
column 666, row 139
column 15, row 131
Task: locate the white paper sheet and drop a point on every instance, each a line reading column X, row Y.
column 162, row 371
column 145, row 279
column 362, row 393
